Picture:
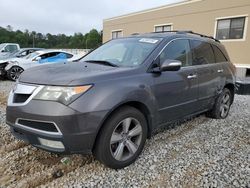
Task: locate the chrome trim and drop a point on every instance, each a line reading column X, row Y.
column 24, row 89
column 175, row 64
column 38, row 130
column 191, row 76
column 220, row 71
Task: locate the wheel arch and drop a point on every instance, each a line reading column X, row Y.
column 136, row 104
column 231, row 88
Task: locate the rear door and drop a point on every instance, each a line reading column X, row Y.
column 207, row 72
column 176, row 92
column 222, row 62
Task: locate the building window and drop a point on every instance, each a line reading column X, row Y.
column 116, row 34
column 163, row 28
column 232, row 28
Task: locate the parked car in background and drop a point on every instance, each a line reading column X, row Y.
column 12, row 68
column 121, row 93
column 8, row 48
column 20, row 53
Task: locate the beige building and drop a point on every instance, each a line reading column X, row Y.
column 227, row 20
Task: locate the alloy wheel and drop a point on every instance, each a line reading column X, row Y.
column 225, row 105
column 15, row 72
column 126, row 139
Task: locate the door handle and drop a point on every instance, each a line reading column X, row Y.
column 220, row 71
column 192, row 76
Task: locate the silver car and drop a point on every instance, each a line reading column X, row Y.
column 12, row 68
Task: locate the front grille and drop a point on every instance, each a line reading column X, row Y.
column 21, row 98
column 42, row 126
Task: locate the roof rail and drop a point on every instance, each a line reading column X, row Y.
column 135, row 34
column 201, row 35
column 188, row 32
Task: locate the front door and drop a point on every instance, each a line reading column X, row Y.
column 176, row 92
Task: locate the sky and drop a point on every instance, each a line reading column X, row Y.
column 67, row 16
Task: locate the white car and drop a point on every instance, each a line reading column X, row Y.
column 8, row 48
column 12, row 68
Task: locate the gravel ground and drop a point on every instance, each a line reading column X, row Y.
column 201, row 152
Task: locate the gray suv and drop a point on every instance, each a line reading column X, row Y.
column 111, row 101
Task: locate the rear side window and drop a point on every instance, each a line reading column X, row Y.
column 202, row 53
column 219, row 56
column 177, row 50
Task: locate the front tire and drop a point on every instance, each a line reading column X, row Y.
column 122, row 138
column 14, row 72
column 222, row 105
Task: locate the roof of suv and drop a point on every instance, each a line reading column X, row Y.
column 167, row 34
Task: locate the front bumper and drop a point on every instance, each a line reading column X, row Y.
column 77, row 130
column 3, row 72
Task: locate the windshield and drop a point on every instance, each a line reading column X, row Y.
column 1, row 46
column 124, row 52
column 31, row 55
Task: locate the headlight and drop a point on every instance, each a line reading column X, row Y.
column 63, row 95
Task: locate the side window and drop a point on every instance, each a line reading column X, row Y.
column 177, row 50
column 202, row 53
column 30, row 51
column 24, row 53
column 52, row 54
column 219, row 56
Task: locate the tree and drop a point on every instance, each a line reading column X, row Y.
column 92, row 39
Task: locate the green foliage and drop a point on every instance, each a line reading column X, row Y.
column 90, row 40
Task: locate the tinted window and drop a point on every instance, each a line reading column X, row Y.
column 177, row 50
column 202, row 53
column 47, row 55
column 219, row 56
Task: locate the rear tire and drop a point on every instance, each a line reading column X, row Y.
column 222, row 105
column 122, row 138
column 14, row 72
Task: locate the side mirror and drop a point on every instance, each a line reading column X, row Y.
column 170, row 65
column 37, row 59
column 3, row 50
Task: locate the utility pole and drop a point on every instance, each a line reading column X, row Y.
column 86, row 44
column 33, row 41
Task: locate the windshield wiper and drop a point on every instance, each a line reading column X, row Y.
column 102, row 62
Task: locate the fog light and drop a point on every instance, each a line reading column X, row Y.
column 51, row 143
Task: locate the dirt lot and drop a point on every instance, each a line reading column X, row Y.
column 201, row 152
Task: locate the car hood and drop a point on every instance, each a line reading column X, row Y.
column 71, row 74
column 19, row 60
